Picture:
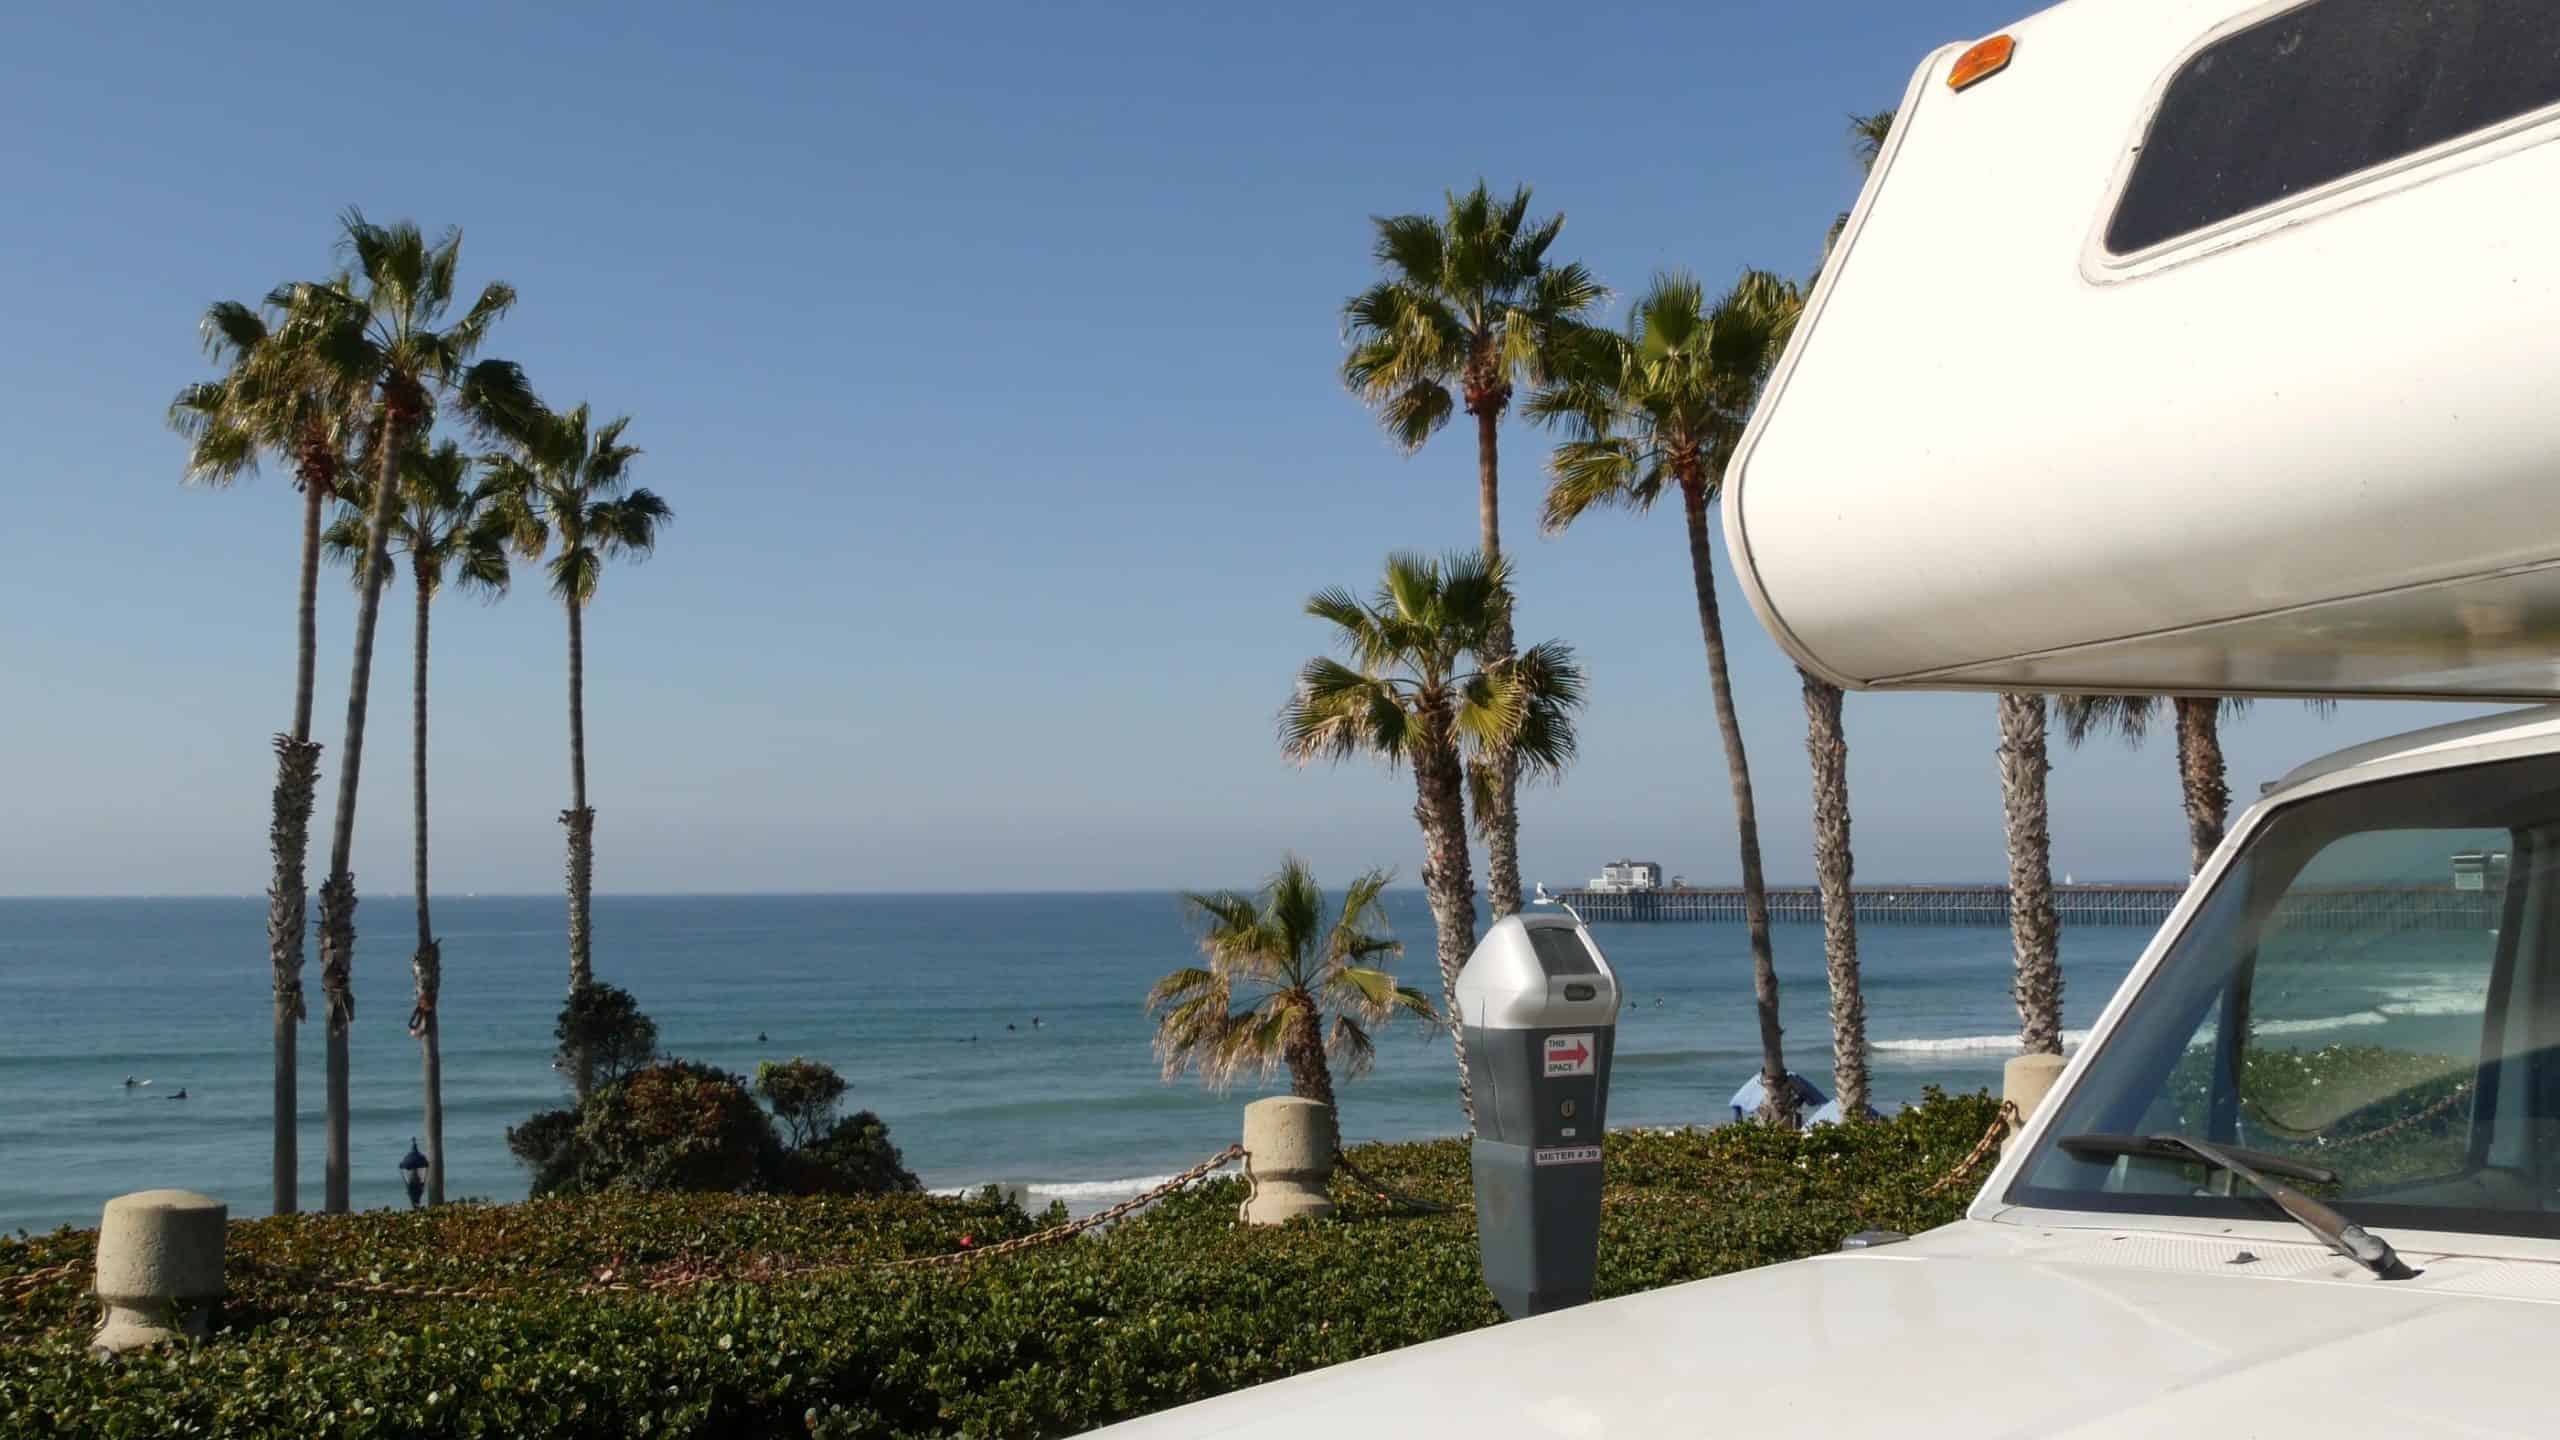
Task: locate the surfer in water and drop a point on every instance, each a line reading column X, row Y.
column 179, row 1094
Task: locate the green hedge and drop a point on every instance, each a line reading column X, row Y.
column 1171, row 1307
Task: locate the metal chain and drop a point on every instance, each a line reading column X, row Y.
column 2000, row 1124
column 1370, row 1183
column 1129, row 1206
column 377, row 1289
column 2319, row 1138
column 18, row 1287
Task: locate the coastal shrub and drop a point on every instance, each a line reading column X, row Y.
column 675, row 1125
column 803, row 1094
column 546, row 1144
column 853, row 1157
column 719, row 1315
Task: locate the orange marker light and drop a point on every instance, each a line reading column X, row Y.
column 1984, row 60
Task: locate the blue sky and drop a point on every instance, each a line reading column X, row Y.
column 987, row 355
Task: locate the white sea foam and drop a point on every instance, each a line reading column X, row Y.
column 1969, row 1044
column 1077, row 1193
column 1072, row 1191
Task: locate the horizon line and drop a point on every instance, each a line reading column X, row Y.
column 1000, row 893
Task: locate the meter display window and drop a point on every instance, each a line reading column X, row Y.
column 2372, row 990
column 2322, row 91
column 1560, row 951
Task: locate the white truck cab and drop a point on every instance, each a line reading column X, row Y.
column 2181, row 346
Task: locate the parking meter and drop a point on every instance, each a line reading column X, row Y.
column 1539, row 1011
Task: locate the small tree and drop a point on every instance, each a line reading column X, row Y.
column 803, row 1094
column 605, row 1025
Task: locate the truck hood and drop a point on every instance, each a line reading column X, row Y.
column 1979, row 1329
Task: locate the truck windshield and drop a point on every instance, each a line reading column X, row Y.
column 2370, row 989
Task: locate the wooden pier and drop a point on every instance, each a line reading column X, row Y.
column 1883, row 904
column 2402, row 907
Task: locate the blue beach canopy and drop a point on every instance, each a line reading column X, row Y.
column 1830, row 1114
column 1746, row 1101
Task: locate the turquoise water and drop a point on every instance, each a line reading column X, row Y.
column 926, row 1003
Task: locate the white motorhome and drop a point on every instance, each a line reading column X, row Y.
column 2185, row 346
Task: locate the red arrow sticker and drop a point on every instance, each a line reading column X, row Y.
column 1571, row 1054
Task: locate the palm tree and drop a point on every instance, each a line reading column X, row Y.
column 444, row 522
column 563, row 480
column 1426, row 686
column 1663, row 406
column 2035, row 929
column 382, row 330
column 1277, row 971
column 1469, row 299
column 275, row 399
column 1826, row 743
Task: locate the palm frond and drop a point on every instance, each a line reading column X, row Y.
column 1411, row 248
column 1592, row 474
column 1348, row 1045
column 1867, row 134
column 2080, row 717
column 1338, row 713
column 1416, row 413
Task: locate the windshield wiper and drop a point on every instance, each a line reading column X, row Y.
column 2165, row 1147
column 2337, row 1232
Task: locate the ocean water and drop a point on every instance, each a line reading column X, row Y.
column 1001, row 1036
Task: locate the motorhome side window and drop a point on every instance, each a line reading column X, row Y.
column 2323, row 91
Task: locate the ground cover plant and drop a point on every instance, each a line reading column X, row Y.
column 631, row 1313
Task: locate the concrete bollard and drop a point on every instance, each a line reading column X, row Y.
column 1288, row 1145
column 2024, row 1083
column 159, row 1268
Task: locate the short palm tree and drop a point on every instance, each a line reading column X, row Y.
column 564, row 479
column 1468, row 300
column 1658, row 408
column 1283, row 989
column 275, row 398
column 1425, row 685
column 446, row 526
column 383, row 330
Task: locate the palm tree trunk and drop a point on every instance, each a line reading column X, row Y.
column 1440, row 808
column 427, row 965
column 2201, row 776
column 2034, row 928
column 338, row 895
column 289, row 841
column 581, row 823
column 1501, row 822
column 1826, row 742
column 1779, row 1106
column 1310, row 1078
